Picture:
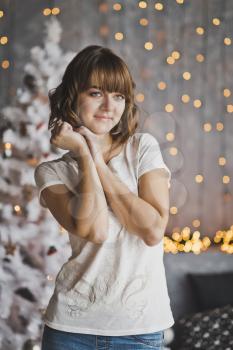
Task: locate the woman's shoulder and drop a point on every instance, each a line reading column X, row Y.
column 144, row 138
column 55, row 163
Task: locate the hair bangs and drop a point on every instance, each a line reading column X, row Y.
column 110, row 76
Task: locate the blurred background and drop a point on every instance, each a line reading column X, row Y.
column 180, row 55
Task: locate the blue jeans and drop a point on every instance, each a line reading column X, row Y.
column 59, row 340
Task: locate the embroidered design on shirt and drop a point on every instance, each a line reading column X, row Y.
column 134, row 306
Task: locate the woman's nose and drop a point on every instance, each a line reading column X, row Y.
column 107, row 101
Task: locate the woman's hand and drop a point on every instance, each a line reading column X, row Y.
column 93, row 143
column 64, row 137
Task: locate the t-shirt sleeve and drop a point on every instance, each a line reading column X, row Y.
column 150, row 156
column 45, row 176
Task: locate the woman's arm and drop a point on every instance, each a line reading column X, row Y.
column 91, row 213
column 145, row 215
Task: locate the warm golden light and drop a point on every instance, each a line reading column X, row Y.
column 226, row 179
column 5, row 64
column 200, row 30
column 226, row 93
column 1, row 14
column 103, row 7
column 197, row 103
column 170, row 60
column 104, row 30
column 119, row 36
column 175, row 55
column 207, row 127
column 199, row 178
column 169, row 107
column 200, row 57
column 222, row 161
column 216, row 21
column 219, row 126
column 173, row 210
column 158, row 6
column 170, row 136
column 173, row 151
column 180, row 2
column 148, row 45
column 142, row 4
column 47, row 12
column 187, row 75
column 55, row 11
column 185, row 98
column 230, row 108
column 196, row 223
column 117, row 7
column 162, row 85
column 227, row 41
column 17, row 208
column 140, row 97
column 143, row 21
column 4, row 40
column 7, row 145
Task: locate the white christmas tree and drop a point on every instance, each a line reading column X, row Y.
column 33, row 246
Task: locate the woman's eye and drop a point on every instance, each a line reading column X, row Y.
column 94, row 93
column 121, row 97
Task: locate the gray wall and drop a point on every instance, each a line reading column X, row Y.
column 171, row 29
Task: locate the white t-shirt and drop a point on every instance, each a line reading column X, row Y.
column 118, row 287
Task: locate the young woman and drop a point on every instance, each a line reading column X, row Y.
column 110, row 191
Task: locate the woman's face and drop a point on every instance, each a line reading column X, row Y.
column 95, row 103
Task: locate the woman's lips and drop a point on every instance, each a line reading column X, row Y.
column 102, row 117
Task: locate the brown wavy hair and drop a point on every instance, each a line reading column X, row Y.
column 95, row 66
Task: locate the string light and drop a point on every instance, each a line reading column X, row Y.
column 104, row 30
column 140, row 97
column 230, row 108
column 159, row 6
column 199, row 178
column 216, row 21
column 103, row 7
column 226, row 179
column 4, row 40
column 5, row 64
column 227, row 41
column 207, row 127
column 226, row 93
column 173, row 210
column 47, row 12
column 55, row 11
column 219, row 126
column 200, row 57
column 197, row 103
column 144, row 22
column 17, row 209
column 169, row 107
column 162, row 85
column 142, row 4
column 185, row 98
column 187, row 75
column 222, row 161
column 8, row 149
column 200, row 30
column 170, row 136
column 119, row 36
column 170, row 60
column 196, row 223
column 173, row 151
column 148, row 45
column 117, row 6
column 175, row 55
